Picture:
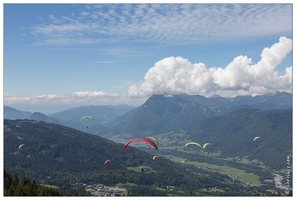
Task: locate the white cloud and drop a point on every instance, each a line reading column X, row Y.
column 50, row 96
column 98, row 94
column 169, row 23
column 174, row 75
column 240, row 74
column 177, row 75
column 79, row 98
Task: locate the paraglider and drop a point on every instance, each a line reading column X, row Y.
column 193, row 143
column 86, row 117
column 143, row 140
column 154, row 140
column 255, row 138
column 154, row 157
column 204, row 146
column 21, row 146
column 107, row 161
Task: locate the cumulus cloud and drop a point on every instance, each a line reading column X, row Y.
column 240, row 77
column 173, row 75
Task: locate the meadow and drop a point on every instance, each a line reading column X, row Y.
column 248, row 178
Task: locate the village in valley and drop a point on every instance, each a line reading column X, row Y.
column 102, row 190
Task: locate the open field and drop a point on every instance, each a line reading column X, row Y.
column 248, row 178
column 125, row 184
column 246, row 161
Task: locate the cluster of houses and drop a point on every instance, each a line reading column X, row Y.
column 101, row 190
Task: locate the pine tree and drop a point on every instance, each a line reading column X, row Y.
column 13, row 187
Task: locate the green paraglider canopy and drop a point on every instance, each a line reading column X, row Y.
column 255, row 138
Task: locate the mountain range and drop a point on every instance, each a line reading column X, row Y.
column 224, row 122
column 228, row 124
column 71, row 117
column 160, row 113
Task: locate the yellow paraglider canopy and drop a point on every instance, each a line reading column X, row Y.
column 206, row 144
column 154, row 140
column 193, row 143
column 87, row 116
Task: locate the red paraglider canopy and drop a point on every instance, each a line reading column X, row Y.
column 143, row 140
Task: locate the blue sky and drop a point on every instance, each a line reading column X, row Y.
column 62, row 55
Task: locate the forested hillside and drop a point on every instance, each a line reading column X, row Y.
column 15, row 187
column 56, row 155
column 232, row 135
